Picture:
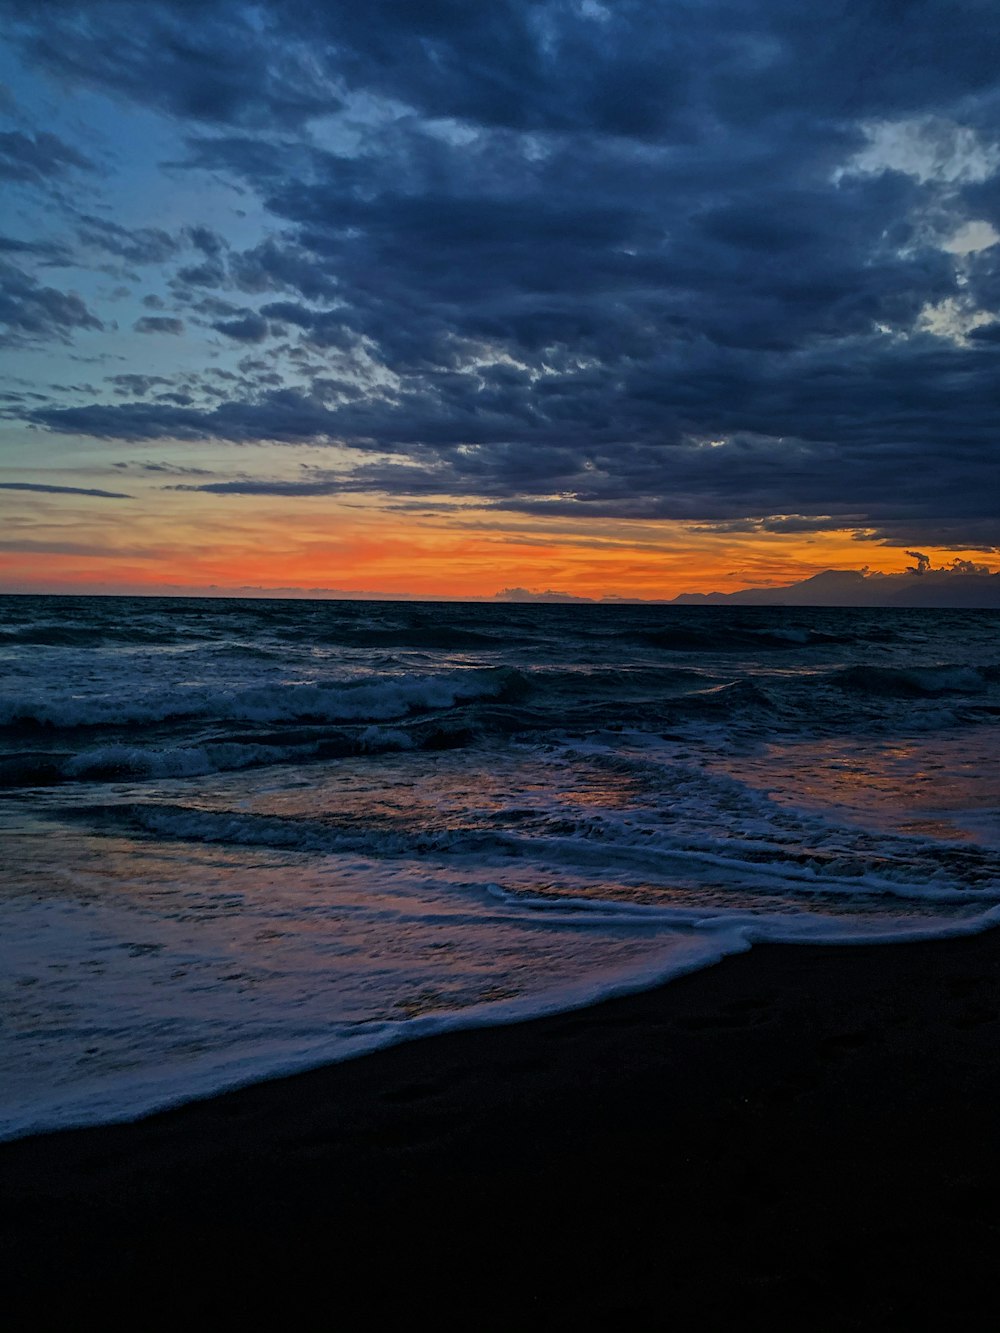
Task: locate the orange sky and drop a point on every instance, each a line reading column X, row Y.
column 194, row 541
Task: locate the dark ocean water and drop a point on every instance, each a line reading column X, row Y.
column 241, row 837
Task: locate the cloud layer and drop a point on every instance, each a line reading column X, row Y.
column 734, row 264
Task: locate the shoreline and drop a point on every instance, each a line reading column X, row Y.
column 801, row 1131
column 99, row 1110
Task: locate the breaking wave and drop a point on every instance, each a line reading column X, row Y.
column 911, row 681
column 335, row 701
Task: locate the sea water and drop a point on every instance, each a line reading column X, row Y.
column 242, row 837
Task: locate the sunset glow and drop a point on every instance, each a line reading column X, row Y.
column 169, row 541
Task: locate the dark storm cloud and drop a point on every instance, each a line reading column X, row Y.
column 159, row 324
column 133, row 386
column 207, row 274
column 207, row 241
column 60, row 490
column 283, row 415
column 249, row 328
column 31, row 312
column 276, row 266
column 694, row 483
column 580, row 259
column 138, row 245
column 36, row 158
column 164, row 469
column 642, row 68
column 260, row 158
column 251, row 487
column 44, row 252
column 210, row 62
column 962, row 534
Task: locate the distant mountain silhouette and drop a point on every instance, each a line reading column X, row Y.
column 851, row 587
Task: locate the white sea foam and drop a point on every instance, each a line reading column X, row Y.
column 686, row 942
column 274, row 702
column 172, row 761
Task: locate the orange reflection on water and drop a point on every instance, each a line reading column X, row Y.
column 941, row 786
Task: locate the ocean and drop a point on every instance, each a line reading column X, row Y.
column 244, row 837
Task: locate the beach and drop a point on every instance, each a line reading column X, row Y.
column 803, row 1133
column 498, row 967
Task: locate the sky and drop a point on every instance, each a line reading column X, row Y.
column 441, row 298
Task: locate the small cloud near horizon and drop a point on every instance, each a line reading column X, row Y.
column 45, row 489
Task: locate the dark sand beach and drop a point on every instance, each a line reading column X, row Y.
column 804, row 1134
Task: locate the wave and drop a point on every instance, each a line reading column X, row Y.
column 191, row 824
column 285, row 632
column 733, row 697
column 754, row 860
column 459, row 703
column 92, row 636
column 733, row 639
column 442, row 638
column 118, row 763
column 916, row 681
column 336, row 701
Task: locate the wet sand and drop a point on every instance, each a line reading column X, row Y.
column 803, row 1134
